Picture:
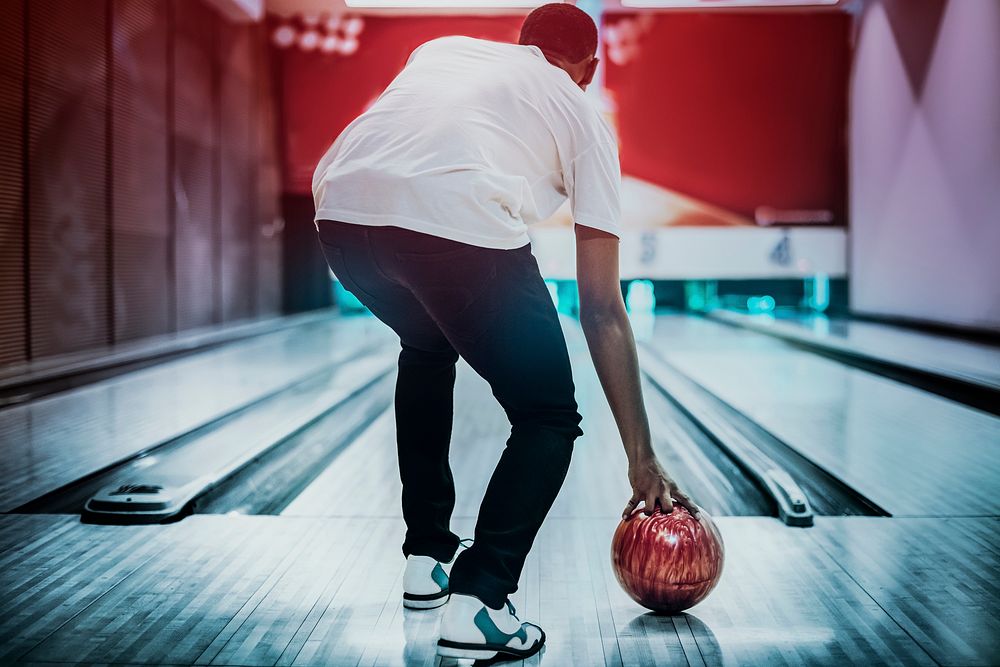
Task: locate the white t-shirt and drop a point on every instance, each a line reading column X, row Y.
column 473, row 141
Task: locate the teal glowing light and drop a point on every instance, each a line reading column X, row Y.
column 817, row 291
column 564, row 295
column 569, row 298
column 760, row 304
column 700, row 295
column 640, row 297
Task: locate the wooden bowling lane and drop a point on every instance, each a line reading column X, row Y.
column 321, row 584
column 955, row 358
column 55, row 440
column 709, row 476
column 936, row 577
column 596, row 485
column 264, row 590
column 911, row 452
column 364, row 479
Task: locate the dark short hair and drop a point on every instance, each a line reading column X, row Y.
column 562, row 30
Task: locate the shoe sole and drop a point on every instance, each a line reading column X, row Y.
column 413, row 601
column 466, row 653
column 450, row 649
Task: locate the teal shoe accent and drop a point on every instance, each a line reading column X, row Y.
column 492, row 633
column 439, row 577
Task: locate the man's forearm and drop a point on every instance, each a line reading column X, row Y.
column 612, row 347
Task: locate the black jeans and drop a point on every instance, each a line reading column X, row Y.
column 446, row 299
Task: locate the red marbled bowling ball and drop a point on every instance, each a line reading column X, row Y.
column 667, row 562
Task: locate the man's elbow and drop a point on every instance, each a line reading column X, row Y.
column 595, row 316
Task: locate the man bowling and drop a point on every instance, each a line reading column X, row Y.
column 422, row 208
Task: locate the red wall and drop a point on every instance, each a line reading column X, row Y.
column 739, row 110
column 323, row 93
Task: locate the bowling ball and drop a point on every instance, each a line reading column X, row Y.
column 667, row 562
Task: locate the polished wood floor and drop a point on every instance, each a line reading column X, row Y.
column 50, row 442
column 913, row 453
column 239, row 590
column 951, row 357
column 320, row 584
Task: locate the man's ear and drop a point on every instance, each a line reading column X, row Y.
column 588, row 74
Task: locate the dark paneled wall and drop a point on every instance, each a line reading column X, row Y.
column 68, row 250
column 196, row 163
column 237, row 206
column 268, row 179
column 140, row 143
column 13, row 322
column 138, row 175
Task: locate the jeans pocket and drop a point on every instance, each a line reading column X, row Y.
column 337, row 262
column 461, row 252
column 457, row 286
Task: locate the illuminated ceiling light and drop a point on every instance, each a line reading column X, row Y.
column 349, row 46
column 425, row 4
column 284, row 36
column 617, row 56
column 310, row 20
column 330, row 44
column 719, row 4
column 623, row 37
column 309, row 40
column 332, row 23
column 353, row 26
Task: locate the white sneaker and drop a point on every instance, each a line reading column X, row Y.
column 470, row 629
column 425, row 580
column 425, row 583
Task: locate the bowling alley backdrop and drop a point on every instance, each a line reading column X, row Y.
column 727, row 124
column 157, row 154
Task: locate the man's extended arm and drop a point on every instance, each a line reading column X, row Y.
column 609, row 336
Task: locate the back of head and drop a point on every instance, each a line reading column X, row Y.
column 560, row 30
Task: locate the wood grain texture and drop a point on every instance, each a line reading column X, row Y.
column 51, row 442
column 235, row 590
column 51, row 576
column 955, row 358
column 913, row 453
column 596, row 485
column 322, row 584
column 937, row 578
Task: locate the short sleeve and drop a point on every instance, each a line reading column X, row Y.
column 594, row 188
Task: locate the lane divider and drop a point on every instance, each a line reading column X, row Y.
column 67, row 498
column 975, row 390
column 165, row 489
column 790, row 500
